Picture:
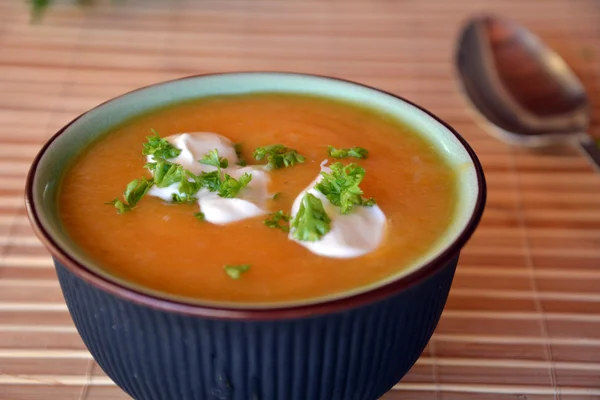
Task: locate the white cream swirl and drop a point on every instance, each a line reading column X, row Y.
column 251, row 200
column 352, row 235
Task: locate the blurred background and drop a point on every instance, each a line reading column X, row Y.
column 523, row 318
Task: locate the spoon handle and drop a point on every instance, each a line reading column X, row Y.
column 591, row 149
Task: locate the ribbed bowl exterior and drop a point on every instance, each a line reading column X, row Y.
column 357, row 354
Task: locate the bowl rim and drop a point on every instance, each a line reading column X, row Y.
column 264, row 313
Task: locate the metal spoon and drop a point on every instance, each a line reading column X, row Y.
column 524, row 89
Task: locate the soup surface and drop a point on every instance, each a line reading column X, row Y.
column 163, row 247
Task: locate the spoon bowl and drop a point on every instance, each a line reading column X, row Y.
column 525, row 90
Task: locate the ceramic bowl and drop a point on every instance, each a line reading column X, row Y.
column 155, row 347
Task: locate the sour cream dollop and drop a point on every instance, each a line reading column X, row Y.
column 194, row 146
column 352, row 235
column 248, row 204
column 251, row 200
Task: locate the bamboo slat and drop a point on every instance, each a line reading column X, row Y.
column 523, row 317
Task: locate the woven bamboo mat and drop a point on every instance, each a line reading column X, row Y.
column 523, row 318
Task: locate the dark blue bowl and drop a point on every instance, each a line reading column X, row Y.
column 358, row 354
column 159, row 348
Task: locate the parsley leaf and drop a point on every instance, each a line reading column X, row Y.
column 278, row 156
column 277, row 195
column 213, row 158
column 210, row 180
column 177, row 198
column 215, row 181
column 187, row 189
column 341, row 186
column 230, row 187
column 134, row 192
column 236, row 271
column 278, row 220
column 356, row 152
column 181, row 198
column 311, row 222
column 199, row 216
column 159, row 148
column 165, row 173
column 238, row 151
column 136, row 189
column 121, row 207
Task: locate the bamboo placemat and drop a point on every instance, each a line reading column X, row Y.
column 523, row 318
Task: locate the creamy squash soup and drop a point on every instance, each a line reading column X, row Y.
column 261, row 198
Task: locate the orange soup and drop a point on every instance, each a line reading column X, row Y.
column 162, row 247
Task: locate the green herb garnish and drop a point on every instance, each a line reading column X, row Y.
column 356, row 152
column 277, row 195
column 311, row 222
column 187, row 189
column 226, row 185
column 178, row 198
column 210, row 180
column 159, row 147
column 134, row 192
column 278, row 220
column 181, row 198
column 165, row 173
column 230, row 187
column 200, row 216
column 236, row 271
column 213, row 158
column 238, row 152
column 278, row 156
column 216, row 181
column 341, row 186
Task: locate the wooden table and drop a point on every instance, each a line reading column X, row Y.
column 523, row 318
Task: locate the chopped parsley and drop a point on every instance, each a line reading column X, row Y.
column 216, row 181
column 278, row 156
column 159, row 147
column 277, row 195
column 210, row 180
column 356, row 152
column 278, row 220
column 199, row 216
column 187, row 189
column 236, row 271
column 213, row 159
column 180, row 198
column 165, row 173
column 230, row 187
column 238, row 152
column 311, row 222
column 134, row 192
column 341, row 186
